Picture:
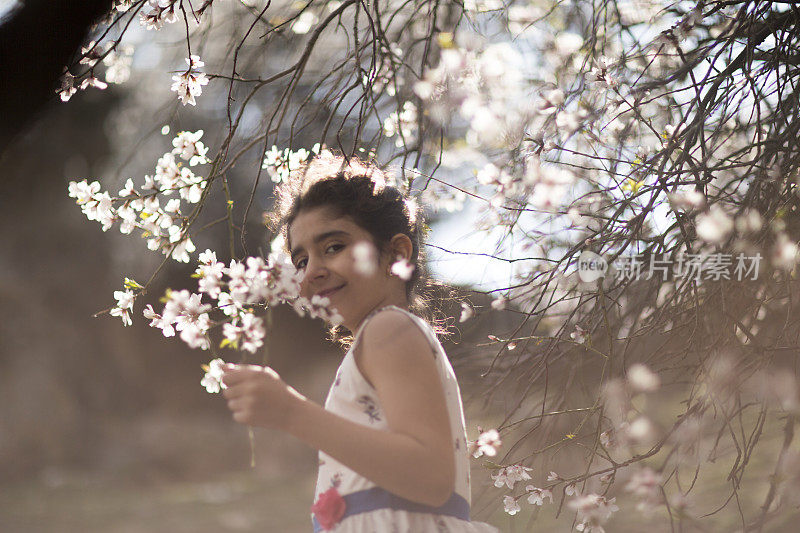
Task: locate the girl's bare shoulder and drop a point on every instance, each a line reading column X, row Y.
column 391, row 324
column 391, row 338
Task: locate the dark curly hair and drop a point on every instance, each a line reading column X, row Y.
column 358, row 190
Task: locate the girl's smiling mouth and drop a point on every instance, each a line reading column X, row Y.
column 328, row 292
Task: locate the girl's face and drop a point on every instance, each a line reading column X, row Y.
column 321, row 245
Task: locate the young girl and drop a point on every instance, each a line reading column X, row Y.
column 392, row 445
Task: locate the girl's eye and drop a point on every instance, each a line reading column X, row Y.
column 331, row 248
column 334, row 247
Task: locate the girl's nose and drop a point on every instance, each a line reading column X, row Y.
column 315, row 270
column 314, row 275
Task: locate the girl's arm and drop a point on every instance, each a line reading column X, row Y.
column 414, row 459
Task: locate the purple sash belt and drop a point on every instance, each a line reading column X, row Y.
column 376, row 498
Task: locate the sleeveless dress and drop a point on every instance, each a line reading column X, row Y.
column 367, row 507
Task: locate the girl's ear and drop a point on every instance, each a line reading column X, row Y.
column 401, row 246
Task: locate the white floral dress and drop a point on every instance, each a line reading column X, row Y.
column 367, row 507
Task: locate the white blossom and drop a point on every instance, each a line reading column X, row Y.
column 642, row 379
column 304, row 22
column 568, row 43
column 749, row 222
column 118, row 64
column 228, row 305
column 466, row 312
column 483, row 5
column 714, row 226
column 686, row 200
column 212, row 380
column 193, row 332
column 318, row 307
column 602, row 76
column 157, row 322
column 510, row 475
column 403, row 269
column 278, row 244
column 124, row 306
column 499, row 303
column 403, row 124
column 189, row 315
column 167, row 173
column 128, row 218
column 522, row 17
column 593, row 511
column 123, row 5
column 91, row 81
column 536, row 495
column 190, row 84
column 182, row 249
column 237, row 283
column 250, row 331
column 641, row 430
column 366, row 258
column 487, row 443
column 550, row 101
column 128, row 189
column 189, row 147
column 157, row 12
column 645, row 485
column 99, row 208
column 67, row 88
column 510, row 505
column 550, row 185
column 784, row 253
column 579, row 335
column 83, row 191
column 91, row 54
column 210, row 273
column 280, row 163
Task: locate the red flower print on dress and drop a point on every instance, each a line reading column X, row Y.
column 329, row 508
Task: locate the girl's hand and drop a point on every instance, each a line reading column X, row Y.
column 258, row 397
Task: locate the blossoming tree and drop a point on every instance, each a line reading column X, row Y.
column 659, row 137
